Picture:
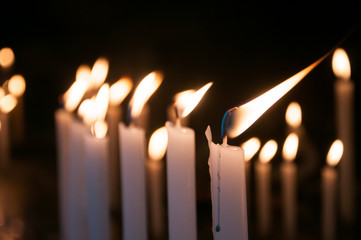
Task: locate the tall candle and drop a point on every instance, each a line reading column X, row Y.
column 344, row 98
column 329, row 178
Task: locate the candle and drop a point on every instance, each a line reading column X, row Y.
column 263, row 180
column 329, row 189
column 155, row 175
column 289, row 186
column 180, row 158
column 132, row 162
column 344, row 97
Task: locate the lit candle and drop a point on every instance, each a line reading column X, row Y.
column 344, row 98
column 155, row 172
column 329, row 189
column 180, row 158
column 132, row 162
column 289, row 186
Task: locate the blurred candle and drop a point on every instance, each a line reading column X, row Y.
column 329, row 189
column 7, row 57
column 180, row 158
column 289, row 186
column 344, row 98
column 263, row 175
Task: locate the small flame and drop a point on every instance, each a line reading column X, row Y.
column 158, row 144
column 102, row 101
column 99, row 72
column 7, row 57
column 17, row 85
column 268, row 151
column 99, row 129
column 335, row 153
column 187, row 100
column 119, row 90
column 341, row 64
column 8, row 103
column 143, row 92
column 249, row 112
column 250, row 148
column 294, row 115
column 290, row 147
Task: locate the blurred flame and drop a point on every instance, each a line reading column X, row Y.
column 335, row 153
column 17, row 85
column 250, row 148
column 7, row 57
column 290, row 147
column 99, row 72
column 143, row 92
column 86, row 111
column 119, row 90
column 83, row 72
column 249, row 112
column 158, row 144
column 294, row 115
column 8, row 103
column 99, row 129
column 341, row 64
column 102, row 101
column 268, row 151
column 187, row 100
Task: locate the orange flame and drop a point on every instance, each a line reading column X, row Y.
column 17, row 85
column 8, row 103
column 290, row 147
column 294, row 115
column 335, row 153
column 7, row 57
column 158, row 144
column 250, row 148
column 99, row 129
column 119, row 90
column 268, row 151
column 341, row 64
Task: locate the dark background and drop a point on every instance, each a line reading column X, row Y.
column 243, row 48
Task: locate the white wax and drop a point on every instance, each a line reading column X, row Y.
column 289, row 199
column 329, row 188
column 228, row 185
column 181, row 187
column 344, row 93
column 132, row 167
column 263, row 180
column 4, row 140
column 96, row 157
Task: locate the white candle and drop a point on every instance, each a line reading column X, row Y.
column 329, row 178
column 289, row 186
column 228, row 188
column 344, row 98
column 263, row 183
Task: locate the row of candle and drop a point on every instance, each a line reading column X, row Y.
column 84, row 159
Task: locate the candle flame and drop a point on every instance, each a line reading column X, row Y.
column 250, row 148
column 158, row 144
column 268, row 151
column 99, row 129
column 341, row 64
column 335, row 153
column 99, row 72
column 17, row 85
column 294, row 115
column 102, row 101
column 119, row 90
column 86, row 111
column 249, row 112
column 143, row 92
column 83, row 72
column 7, row 57
column 188, row 100
column 8, row 103
column 290, row 147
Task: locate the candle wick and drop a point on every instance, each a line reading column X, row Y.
column 178, row 122
column 226, row 121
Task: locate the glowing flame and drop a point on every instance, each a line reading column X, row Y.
column 341, row 64
column 119, row 90
column 17, row 85
column 99, row 72
column 102, row 101
column 99, row 129
column 294, row 115
column 8, row 103
column 83, row 72
column 86, row 111
column 290, row 147
column 335, row 153
column 249, row 112
column 187, row 100
column 143, row 92
column 7, row 57
column 158, row 144
column 268, row 151
column 250, row 148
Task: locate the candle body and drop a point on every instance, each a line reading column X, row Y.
column 181, row 183
column 289, row 199
column 329, row 181
column 344, row 108
column 4, row 140
column 228, row 188
column 96, row 157
column 263, row 182
column 132, row 161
